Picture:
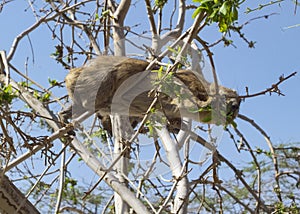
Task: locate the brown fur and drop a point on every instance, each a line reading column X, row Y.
column 93, row 87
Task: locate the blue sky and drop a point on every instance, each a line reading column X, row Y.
column 276, row 53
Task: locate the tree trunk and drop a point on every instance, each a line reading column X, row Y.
column 12, row 200
column 177, row 169
column 120, row 125
column 120, row 132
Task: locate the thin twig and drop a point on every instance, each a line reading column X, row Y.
column 270, row 145
column 42, row 175
column 273, row 89
column 258, row 169
column 61, row 180
column 44, row 19
column 229, row 192
column 239, row 175
column 139, row 192
column 37, row 84
column 211, row 60
column 107, row 205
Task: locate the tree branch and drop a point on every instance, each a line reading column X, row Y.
column 175, row 33
column 270, row 145
column 109, row 178
column 178, row 170
column 273, row 89
column 44, row 19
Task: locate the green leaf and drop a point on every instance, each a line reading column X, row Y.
column 234, row 14
column 105, row 13
column 25, row 83
column 196, row 12
column 36, row 94
column 46, row 97
column 7, row 94
column 172, row 49
column 160, row 3
column 214, row 15
column 234, row 124
column 205, row 1
column 223, row 26
column 224, row 8
column 224, row 12
column 52, row 82
column 159, row 72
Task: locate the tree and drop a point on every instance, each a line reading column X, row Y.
column 122, row 180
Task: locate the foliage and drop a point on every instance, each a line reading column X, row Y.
column 7, row 95
column 248, row 180
column 222, row 12
column 160, row 3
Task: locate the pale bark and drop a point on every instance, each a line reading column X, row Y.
column 119, row 124
column 177, row 169
column 110, row 178
column 85, row 154
column 158, row 41
column 121, row 166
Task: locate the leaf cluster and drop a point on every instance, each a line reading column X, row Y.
column 222, row 12
column 7, row 94
column 160, row 3
column 44, row 97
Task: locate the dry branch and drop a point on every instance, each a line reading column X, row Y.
column 273, row 89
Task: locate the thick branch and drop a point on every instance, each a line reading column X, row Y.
column 119, row 124
column 122, row 10
column 89, row 159
column 175, row 33
column 151, row 18
column 177, row 169
column 109, row 178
